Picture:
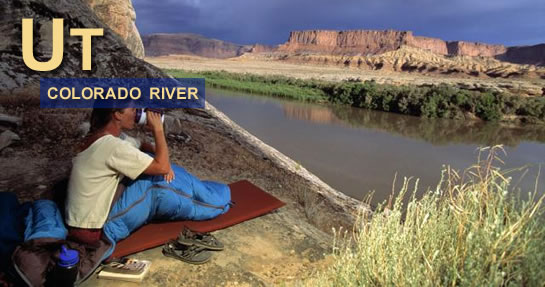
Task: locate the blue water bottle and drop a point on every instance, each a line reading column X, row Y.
column 66, row 270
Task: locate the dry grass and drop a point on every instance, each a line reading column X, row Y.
column 470, row 231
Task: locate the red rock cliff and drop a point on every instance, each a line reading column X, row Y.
column 462, row 48
column 355, row 42
column 434, row 45
column 365, row 42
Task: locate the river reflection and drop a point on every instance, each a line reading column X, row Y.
column 435, row 131
column 357, row 151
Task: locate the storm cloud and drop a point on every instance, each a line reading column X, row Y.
column 509, row 22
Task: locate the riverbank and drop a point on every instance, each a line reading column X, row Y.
column 472, row 230
column 207, row 144
column 434, row 101
column 334, row 73
column 285, row 247
column 254, row 249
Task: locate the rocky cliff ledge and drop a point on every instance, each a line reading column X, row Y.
column 472, row 49
column 533, row 55
column 119, row 15
column 372, row 42
column 111, row 57
column 356, row 42
column 190, row 44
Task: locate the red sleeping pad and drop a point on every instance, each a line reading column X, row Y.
column 250, row 202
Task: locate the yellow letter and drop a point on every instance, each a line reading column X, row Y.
column 119, row 90
column 74, row 95
column 56, row 48
column 86, row 35
column 61, row 94
column 49, row 93
column 152, row 92
column 83, row 93
column 139, row 93
column 193, row 92
column 98, row 92
column 110, row 93
column 181, row 91
column 169, row 95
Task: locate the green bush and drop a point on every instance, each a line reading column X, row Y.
column 442, row 101
column 488, row 106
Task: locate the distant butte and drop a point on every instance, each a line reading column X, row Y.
column 345, row 43
column 366, row 42
column 385, row 50
column 193, row 44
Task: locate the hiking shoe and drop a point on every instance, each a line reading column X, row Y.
column 204, row 240
column 189, row 254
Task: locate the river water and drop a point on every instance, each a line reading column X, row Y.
column 358, row 151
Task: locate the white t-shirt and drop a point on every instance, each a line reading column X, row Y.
column 95, row 174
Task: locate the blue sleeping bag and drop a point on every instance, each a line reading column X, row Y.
column 11, row 225
column 144, row 199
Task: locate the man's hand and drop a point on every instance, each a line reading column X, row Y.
column 169, row 177
column 154, row 121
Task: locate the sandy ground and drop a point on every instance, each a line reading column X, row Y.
column 334, row 73
column 259, row 252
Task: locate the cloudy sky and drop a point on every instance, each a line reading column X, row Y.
column 510, row 22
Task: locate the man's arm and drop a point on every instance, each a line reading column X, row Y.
column 160, row 163
column 147, row 147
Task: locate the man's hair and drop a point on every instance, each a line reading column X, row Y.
column 101, row 117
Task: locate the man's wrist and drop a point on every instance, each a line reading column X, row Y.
column 157, row 130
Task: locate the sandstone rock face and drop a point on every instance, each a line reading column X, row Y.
column 110, row 56
column 409, row 59
column 434, row 45
column 461, row 48
column 190, row 44
column 356, row 42
column 370, row 42
column 119, row 15
column 259, row 48
column 363, row 43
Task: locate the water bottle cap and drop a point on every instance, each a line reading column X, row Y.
column 68, row 257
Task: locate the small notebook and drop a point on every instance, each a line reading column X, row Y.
column 129, row 269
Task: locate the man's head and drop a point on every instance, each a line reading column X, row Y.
column 122, row 118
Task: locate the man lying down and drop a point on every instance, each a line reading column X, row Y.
column 115, row 187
